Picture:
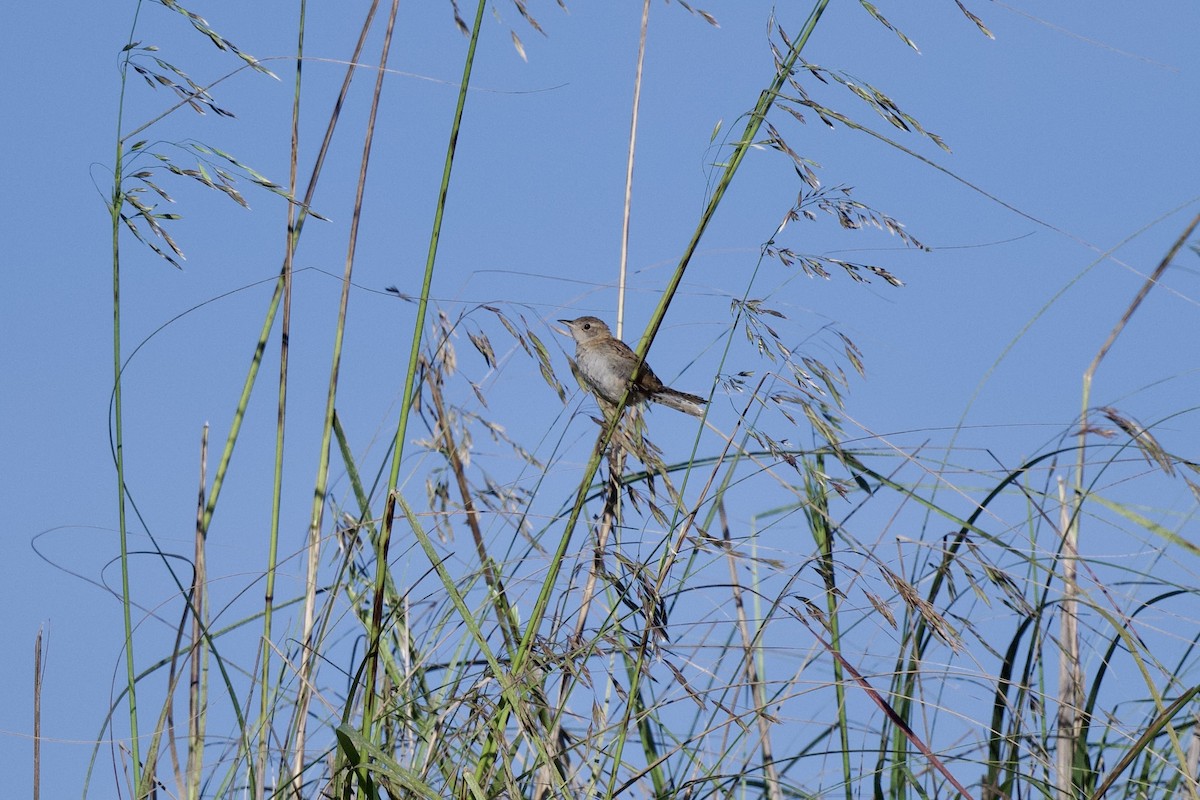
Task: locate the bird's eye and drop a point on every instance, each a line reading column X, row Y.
column 587, row 326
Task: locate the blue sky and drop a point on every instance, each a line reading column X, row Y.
column 1083, row 121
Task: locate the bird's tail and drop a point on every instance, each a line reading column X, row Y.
column 680, row 401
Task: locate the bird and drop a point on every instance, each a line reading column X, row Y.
column 605, row 365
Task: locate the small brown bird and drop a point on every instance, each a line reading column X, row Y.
column 605, row 365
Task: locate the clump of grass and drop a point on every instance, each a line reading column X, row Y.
column 747, row 615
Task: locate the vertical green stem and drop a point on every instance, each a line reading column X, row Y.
column 819, row 522
column 115, row 205
column 280, row 426
column 389, row 513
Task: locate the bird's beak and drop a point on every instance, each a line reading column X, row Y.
column 565, row 321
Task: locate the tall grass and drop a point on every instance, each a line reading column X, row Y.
column 846, row 616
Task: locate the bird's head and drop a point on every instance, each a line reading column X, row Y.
column 587, row 329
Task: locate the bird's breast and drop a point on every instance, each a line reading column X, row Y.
column 606, row 375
